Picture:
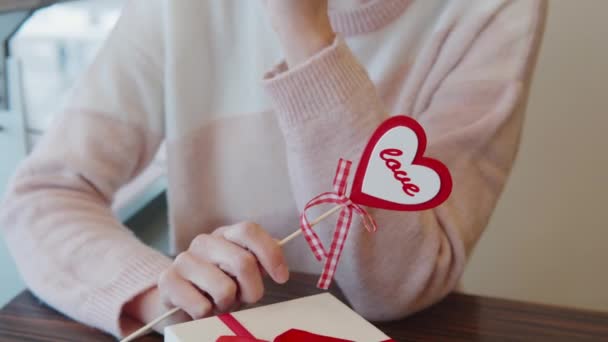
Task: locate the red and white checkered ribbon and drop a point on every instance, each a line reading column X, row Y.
column 342, row 226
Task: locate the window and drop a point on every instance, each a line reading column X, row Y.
column 54, row 46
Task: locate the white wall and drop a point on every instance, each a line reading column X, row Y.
column 548, row 239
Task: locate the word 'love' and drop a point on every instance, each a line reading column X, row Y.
column 394, row 165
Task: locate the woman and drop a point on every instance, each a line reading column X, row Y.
column 188, row 72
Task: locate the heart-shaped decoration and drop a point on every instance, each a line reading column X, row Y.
column 393, row 172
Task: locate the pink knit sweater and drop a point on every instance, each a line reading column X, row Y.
column 189, row 73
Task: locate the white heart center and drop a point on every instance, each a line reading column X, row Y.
column 390, row 174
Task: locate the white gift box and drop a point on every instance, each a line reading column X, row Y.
column 321, row 314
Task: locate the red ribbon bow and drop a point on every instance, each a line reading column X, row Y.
column 342, row 226
column 293, row 335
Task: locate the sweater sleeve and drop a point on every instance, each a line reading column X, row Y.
column 56, row 217
column 471, row 106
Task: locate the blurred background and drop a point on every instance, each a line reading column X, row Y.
column 547, row 241
column 44, row 53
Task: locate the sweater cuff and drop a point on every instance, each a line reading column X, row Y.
column 316, row 87
column 104, row 306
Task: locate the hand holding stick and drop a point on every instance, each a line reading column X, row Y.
column 143, row 330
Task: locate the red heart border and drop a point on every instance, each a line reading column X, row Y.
column 357, row 196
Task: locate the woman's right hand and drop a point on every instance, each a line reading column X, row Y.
column 218, row 272
column 222, row 269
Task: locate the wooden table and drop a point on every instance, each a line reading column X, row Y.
column 457, row 318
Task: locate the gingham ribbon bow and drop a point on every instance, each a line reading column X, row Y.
column 342, row 226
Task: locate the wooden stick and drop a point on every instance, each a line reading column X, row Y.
column 298, row 232
column 143, row 330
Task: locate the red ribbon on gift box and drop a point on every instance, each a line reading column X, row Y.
column 292, row 335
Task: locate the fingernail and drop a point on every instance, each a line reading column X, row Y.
column 281, row 273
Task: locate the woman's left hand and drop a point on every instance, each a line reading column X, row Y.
column 303, row 27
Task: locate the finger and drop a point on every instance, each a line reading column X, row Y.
column 208, row 278
column 266, row 249
column 179, row 292
column 180, row 316
column 234, row 260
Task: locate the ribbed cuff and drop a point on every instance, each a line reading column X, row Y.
column 104, row 307
column 316, row 87
column 368, row 17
